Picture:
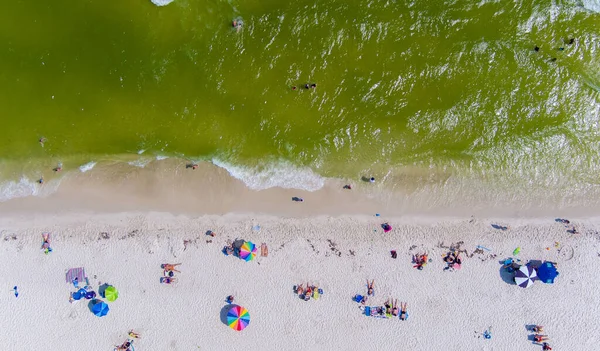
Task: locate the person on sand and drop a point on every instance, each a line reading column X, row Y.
column 403, row 313
column 457, row 259
column 264, row 250
column 538, row 329
column 124, row 347
column 170, row 267
column 395, row 308
column 546, row 347
column 134, row 335
column 348, row 187
column 229, row 299
column 388, row 307
column 370, row 289
column 46, row 243
column 297, row 199
column 167, row 280
column 540, row 338
column 309, row 290
column 300, row 289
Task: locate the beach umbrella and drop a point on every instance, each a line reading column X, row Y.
column 238, row 318
column 111, row 293
column 524, row 276
column 547, row 272
column 248, row 251
column 100, row 308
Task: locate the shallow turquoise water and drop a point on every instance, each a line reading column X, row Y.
column 441, row 87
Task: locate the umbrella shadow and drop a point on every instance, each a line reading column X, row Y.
column 91, row 304
column 534, row 263
column 224, row 312
column 102, row 289
column 507, row 277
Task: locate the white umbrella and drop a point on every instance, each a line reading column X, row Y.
column 525, row 276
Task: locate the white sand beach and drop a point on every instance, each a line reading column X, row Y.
column 447, row 310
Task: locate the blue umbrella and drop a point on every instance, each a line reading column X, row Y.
column 100, row 308
column 547, row 272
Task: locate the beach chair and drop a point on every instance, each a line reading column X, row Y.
column 368, row 311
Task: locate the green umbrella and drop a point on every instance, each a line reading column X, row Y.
column 111, row 293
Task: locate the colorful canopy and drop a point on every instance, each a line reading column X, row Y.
column 248, row 251
column 525, row 276
column 100, row 308
column 238, row 318
column 547, row 272
column 111, row 294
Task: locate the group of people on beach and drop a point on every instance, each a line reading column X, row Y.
column 388, row 310
column 128, row 344
column 570, row 227
column 311, row 291
column 539, row 338
column 169, row 273
column 420, row 260
column 453, row 260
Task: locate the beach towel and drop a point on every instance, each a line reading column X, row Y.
column 78, row 273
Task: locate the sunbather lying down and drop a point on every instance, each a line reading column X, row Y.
column 170, row 267
column 403, row 313
column 264, row 250
column 167, row 280
column 126, row 346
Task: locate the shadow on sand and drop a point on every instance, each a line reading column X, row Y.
column 507, row 277
column 224, row 311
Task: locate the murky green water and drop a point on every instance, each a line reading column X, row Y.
column 453, row 87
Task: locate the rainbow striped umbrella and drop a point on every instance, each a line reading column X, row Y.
column 238, row 318
column 248, row 251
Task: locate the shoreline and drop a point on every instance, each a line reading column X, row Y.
column 168, row 186
column 447, row 309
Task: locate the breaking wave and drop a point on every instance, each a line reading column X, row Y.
column 282, row 174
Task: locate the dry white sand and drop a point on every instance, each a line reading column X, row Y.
column 448, row 310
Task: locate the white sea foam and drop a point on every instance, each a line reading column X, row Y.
column 161, row 157
column 162, row 2
column 141, row 151
column 86, row 167
column 24, row 187
column 592, row 5
column 282, row 174
column 142, row 162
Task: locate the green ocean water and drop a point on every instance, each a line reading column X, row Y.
column 447, row 87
